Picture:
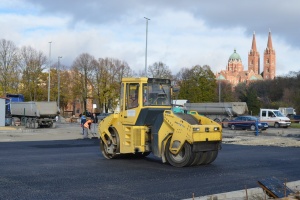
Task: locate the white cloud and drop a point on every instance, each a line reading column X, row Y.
column 177, row 37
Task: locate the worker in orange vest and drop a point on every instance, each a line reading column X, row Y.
column 87, row 126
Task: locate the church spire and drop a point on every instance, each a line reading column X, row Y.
column 269, row 60
column 254, row 57
column 253, row 48
column 270, row 46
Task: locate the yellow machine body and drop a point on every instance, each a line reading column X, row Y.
column 146, row 124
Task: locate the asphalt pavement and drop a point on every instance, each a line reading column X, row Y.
column 59, row 164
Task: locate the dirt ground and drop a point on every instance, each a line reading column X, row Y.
column 284, row 137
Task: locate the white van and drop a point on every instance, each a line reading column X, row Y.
column 274, row 118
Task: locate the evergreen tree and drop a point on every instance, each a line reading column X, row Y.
column 252, row 101
column 198, row 85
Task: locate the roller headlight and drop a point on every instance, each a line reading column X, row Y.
column 196, row 129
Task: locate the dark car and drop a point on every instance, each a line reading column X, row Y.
column 101, row 116
column 247, row 122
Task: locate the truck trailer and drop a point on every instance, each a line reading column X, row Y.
column 287, row 111
column 219, row 112
column 290, row 113
column 34, row 114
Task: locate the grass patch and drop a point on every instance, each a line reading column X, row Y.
column 295, row 125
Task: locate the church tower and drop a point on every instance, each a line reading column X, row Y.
column 269, row 60
column 254, row 58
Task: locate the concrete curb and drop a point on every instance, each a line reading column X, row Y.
column 253, row 193
column 16, row 130
column 7, row 128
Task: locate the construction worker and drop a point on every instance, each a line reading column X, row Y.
column 94, row 124
column 82, row 122
column 87, row 126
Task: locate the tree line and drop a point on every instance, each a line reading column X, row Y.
column 25, row 71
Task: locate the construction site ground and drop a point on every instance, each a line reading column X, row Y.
column 283, row 137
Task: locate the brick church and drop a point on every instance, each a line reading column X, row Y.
column 235, row 72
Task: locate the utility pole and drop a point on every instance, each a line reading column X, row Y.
column 58, row 82
column 49, row 62
column 219, row 87
column 147, row 19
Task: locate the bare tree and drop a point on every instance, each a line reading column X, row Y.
column 9, row 79
column 122, row 70
column 83, row 67
column 32, row 65
column 159, row 70
column 65, row 88
column 100, row 82
column 108, row 76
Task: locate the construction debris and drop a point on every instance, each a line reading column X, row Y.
column 275, row 188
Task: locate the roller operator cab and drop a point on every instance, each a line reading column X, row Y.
column 146, row 123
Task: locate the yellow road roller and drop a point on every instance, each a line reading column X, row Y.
column 145, row 123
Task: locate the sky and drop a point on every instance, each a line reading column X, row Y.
column 180, row 33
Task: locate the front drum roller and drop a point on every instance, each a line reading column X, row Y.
column 185, row 157
column 110, row 150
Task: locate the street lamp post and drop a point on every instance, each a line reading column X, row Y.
column 49, row 62
column 58, row 82
column 219, row 88
column 147, row 19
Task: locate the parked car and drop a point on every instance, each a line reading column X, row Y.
column 247, row 122
column 101, row 116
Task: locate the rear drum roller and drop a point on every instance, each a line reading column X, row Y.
column 110, row 150
column 202, row 158
column 184, row 158
column 197, row 158
column 211, row 156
